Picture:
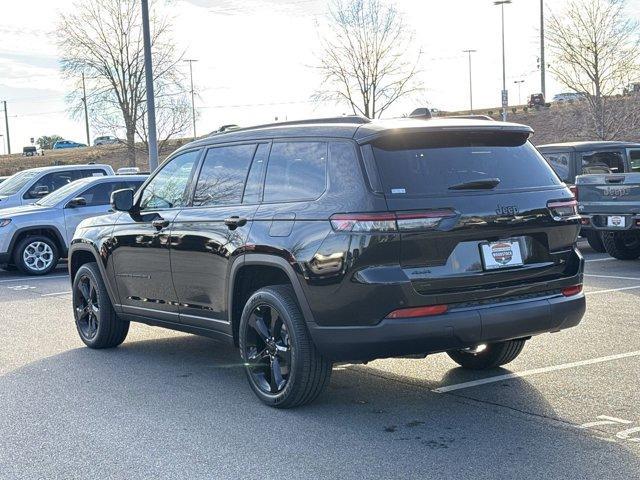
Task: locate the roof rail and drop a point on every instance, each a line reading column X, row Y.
column 472, row 117
column 351, row 119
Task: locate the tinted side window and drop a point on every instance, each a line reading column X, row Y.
column 560, row 164
column 168, row 187
column 51, row 182
column 634, row 159
column 101, row 194
column 223, row 174
column 296, row 171
column 253, row 189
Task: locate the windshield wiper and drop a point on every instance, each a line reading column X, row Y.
column 481, row 184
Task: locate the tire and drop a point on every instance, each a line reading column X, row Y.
column 36, row 255
column 282, row 364
column 96, row 321
column 595, row 241
column 622, row 245
column 494, row 355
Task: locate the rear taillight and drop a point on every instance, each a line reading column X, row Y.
column 574, row 191
column 571, row 291
column 414, row 312
column 389, row 221
column 561, row 209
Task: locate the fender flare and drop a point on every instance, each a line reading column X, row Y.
column 91, row 248
column 64, row 252
column 270, row 261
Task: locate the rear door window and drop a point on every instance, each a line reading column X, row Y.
column 223, row 175
column 560, row 164
column 296, row 171
column 439, row 163
column 634, row 160
column 602, row 162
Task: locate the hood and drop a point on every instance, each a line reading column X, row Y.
column 23, row 211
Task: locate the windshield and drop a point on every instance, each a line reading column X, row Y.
column 54, row 198
column 439, row 163
column 14, row 184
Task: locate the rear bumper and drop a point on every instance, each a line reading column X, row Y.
column 455, row 329
column 598, row 221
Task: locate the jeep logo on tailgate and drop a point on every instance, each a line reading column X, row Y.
column 616, row 191
column 507, row 210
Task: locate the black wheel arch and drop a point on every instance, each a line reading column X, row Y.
column 81, row 253
column 43, row 230
column 287, row 275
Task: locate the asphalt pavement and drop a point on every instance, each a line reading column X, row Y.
column 172, row 405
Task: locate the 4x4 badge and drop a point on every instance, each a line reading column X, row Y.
column 507, row 210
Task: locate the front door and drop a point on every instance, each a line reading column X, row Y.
column 209, row 235
column 141, row 260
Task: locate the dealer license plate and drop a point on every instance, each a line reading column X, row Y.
column 501, row 254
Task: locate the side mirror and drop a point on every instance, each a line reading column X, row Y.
column 122, row 200
column 77, row 202
column 39, row 191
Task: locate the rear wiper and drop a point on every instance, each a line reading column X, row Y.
column 482, row 184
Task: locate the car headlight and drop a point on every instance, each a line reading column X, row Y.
column 4, row 222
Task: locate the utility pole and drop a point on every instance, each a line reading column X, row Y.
column 148, row 73
column 469, row 52
column 505, row 93
column 542, row 64
column 519, row 83
column 193, row 103
column 86, row 112
column 6, row 125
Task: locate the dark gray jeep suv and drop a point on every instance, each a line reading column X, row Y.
column 339, row 240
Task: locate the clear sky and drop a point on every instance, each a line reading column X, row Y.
column 256, row 57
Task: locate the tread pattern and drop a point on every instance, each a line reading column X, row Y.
column 495, row 355
column 314, row 370
column 614, row 245
column 112, row 331
column 595, row 241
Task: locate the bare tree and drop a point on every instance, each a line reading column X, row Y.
column 596, row 49
column 103, row 40
column 365, row 58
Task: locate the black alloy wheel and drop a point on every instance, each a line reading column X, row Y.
column 87, row 307
column 267, row 349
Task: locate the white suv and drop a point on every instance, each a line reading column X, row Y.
column 26, row 187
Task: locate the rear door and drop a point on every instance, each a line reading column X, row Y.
column 475, row 211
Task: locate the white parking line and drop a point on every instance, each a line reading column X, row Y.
column 612, row 276
column 526, row 373
column 609, row 290
column 22, row 279
column 54, row 294
column 608, row 259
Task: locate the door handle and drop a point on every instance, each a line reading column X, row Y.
column 160, row 223
column 234, row 222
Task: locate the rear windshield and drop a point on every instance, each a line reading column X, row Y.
column 433, row 163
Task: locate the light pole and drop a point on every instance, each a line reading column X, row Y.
column 469, row 52
column 148, row 73
column 542, row 65
column 505, row 97
column 519, row 83
column 193, row 103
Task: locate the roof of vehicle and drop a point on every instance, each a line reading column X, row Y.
column 54, row 168
column 594, row 145
column 110, row 178
column 359, row 129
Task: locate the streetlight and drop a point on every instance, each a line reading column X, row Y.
column 505, row 97
column 519, row 83
column 469, row 52
column 542, row 65
column 193, row 104
column 148, row 73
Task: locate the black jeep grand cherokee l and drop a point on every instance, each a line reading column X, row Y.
column 339, row 240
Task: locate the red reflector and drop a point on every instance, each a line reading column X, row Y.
column 419, row 311
column 585, row 221
column 562, row 204
column 570, row 291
